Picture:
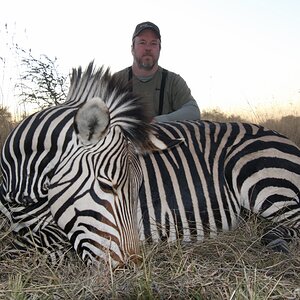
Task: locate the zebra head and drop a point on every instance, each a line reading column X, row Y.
column 94, row 192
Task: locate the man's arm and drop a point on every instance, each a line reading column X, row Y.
column 188, row 111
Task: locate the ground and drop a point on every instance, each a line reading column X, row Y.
column 233, row 266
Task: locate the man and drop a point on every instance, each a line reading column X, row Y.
column 166, row 93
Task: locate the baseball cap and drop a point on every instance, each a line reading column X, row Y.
column 146, row 25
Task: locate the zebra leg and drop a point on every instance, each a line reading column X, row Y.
column 49, row 240
column 277, row 237
column 279, row 204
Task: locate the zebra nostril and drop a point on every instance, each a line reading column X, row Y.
column 131, row 262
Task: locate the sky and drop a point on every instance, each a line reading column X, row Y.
column 238, row 56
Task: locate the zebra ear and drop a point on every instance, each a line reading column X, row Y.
column 91, row 121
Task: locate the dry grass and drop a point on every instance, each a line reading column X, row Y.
column 288, row 126
column 233, row 266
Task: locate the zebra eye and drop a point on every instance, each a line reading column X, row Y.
column 106, row 185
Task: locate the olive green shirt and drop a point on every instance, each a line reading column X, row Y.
column 177, row 95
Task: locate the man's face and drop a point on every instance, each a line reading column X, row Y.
column 146, row 49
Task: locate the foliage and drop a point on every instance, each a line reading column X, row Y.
column 41, row 83
column 218, row 116
column 286, row 125
column 6, row 124
column 36, row 80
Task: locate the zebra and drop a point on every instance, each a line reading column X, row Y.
column 96, row 174
column 40, row 148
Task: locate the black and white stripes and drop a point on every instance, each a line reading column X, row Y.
column 77, row 169
column 199, row 187
column 94, row 173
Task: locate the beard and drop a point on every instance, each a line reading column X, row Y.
column 146, row 62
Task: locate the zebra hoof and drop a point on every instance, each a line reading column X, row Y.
column 275, row 244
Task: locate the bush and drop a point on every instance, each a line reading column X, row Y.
column 287, row 125
column 6, row 125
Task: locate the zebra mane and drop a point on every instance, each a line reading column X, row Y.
column 84, row 85
column 125, row 109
